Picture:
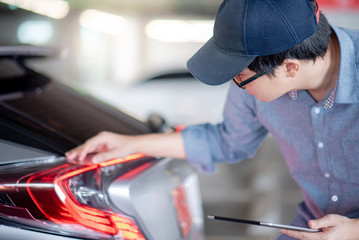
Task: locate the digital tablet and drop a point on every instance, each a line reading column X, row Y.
column 264, row 224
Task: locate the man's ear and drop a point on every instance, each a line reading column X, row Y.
column 291, row 67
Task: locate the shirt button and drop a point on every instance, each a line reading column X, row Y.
column 316, row 110
column 327, row 175
column 320, row 144
column 335, row 198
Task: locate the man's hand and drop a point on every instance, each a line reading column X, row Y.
column 334, row 227
column 102, row 147
column 107, row 145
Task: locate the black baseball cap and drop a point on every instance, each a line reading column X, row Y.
column 245, row 29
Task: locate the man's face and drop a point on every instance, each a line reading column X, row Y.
column 267, row 88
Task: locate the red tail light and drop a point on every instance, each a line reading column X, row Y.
column 183, row 213
column 179, row 128
column 67, row 202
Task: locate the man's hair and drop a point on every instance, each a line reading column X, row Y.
column 310, row 49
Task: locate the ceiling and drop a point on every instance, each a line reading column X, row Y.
column 200, row 7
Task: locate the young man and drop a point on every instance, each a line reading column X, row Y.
column 301, row 84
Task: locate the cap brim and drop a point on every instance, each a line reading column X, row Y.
column 213, row 67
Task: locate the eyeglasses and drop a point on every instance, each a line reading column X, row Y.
column 242, row 84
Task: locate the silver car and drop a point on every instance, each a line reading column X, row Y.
column 42, row 196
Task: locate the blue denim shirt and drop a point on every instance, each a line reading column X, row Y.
column 320, row 146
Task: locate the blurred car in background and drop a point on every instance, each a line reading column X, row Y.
column 177, row 96
column 42, row 196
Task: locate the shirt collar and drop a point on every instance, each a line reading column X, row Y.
column 329, row 102
column 347, row 85
column 347, row 88
column 293, row 94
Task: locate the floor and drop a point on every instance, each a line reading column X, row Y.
column 257, row 189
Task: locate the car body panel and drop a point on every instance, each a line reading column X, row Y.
column 14, row 152
column 15, row 233
column 143, row 196
column 40, row 119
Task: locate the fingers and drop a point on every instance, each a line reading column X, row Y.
column 95, row 144
column 73, row 153
column 302, row 235
column 79, row 153
column 90, row 146
column 294, row 234
column 102, row 147
column 329, row 225
column 326, row 221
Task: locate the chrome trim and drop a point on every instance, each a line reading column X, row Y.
column 20, row 185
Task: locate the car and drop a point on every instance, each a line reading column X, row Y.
column 43, row 196
column 174, row 94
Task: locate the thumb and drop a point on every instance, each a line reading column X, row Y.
column 326, row 221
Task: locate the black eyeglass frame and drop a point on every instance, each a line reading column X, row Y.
column 242, row 84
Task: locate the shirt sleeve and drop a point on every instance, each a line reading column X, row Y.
column 236, row 138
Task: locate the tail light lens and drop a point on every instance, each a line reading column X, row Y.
column 183, row 213
column 74, row 197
